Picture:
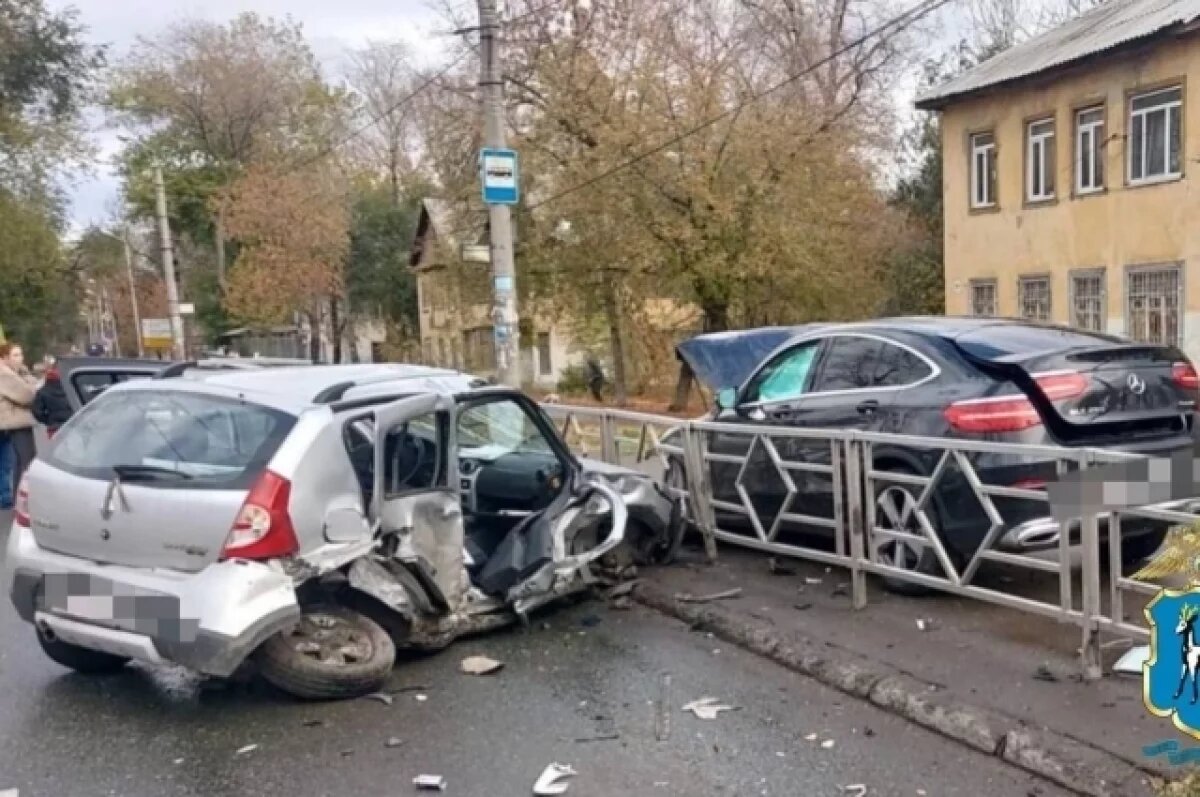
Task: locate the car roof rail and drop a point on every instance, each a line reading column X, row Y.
column 338, row 390
column 180, row 368
column 176, row 369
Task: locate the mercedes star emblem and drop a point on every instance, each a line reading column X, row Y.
column 1136, row 384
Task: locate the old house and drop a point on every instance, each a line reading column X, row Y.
column 1069, row 163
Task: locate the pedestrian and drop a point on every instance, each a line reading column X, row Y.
column 16, row 419
column 595, row 377
column 50, row 405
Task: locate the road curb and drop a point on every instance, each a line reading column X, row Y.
column 1060, row 759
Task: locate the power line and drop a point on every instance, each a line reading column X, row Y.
column 912, row 15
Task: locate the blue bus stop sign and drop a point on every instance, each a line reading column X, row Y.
column 498, row 169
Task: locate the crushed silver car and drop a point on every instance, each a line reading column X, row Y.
column 310, row 520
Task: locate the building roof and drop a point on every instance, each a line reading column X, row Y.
column 1104, row 28
column 438, row 220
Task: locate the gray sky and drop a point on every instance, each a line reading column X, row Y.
column 331, row 26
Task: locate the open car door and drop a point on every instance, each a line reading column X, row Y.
column 414, row 494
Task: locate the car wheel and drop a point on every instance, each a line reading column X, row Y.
column 895, row 508
column 1137, row 548
column 81, row 660
column 331, row 653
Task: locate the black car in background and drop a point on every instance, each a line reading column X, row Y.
column 990, row 379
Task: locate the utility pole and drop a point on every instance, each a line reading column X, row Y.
column 168, row 263
column 505, row 321
column 133, row 299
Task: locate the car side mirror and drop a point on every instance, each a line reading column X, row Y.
column 726, row 398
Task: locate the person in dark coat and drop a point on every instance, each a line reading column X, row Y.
column 50, row 405
column 595, row 378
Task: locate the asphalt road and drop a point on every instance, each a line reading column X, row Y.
column 567, row 686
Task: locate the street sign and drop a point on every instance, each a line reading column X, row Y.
column 476, row 253
column 499, row 167
column 156, row 333
column 187, row 308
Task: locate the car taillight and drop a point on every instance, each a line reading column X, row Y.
column 1063, row 385
column 1001, row 414
column 1184, row 375
column 21, row 505
column 263, row 529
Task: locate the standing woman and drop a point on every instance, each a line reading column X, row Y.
column 17, row 388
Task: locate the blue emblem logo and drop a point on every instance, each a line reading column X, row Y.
column 1171, row 676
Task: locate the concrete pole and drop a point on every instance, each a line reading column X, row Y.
column 505, row 321
column 133, row 299
column 168, row 263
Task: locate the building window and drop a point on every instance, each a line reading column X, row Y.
column 1033, row 298
column 545, row 366
column 1039, row 161
column 983, row 170
column 983, row 297
column 1089, row 150
column 1155, row 135
column 1152, row 295
column 1087, row 300
column 479, row 349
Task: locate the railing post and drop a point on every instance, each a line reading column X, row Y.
column 1090, row 649
column 700, row 487
column 608, row 440
column 855, row 471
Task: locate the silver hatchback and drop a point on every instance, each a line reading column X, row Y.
column 309, row 520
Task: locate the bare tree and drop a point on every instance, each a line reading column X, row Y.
column 385, row 82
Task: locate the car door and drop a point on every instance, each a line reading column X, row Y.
column 415, row 494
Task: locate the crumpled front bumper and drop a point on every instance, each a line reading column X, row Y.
column 208, row 621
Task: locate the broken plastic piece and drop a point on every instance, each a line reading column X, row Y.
column 707, row 708
column 554, row 780
column 827, row 744
column 716, row 596
column 480, row 665
column 1132, row 661
column 855, row 789
column 430, row 782
column 381, row 697
column 250, row 748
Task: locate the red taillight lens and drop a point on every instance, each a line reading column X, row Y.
column 1062, row 385
column 21, row 505
column 1002, row 414
column 263, row 529
column 1184, row 375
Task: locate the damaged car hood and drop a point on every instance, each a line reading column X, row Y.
column 726, row 359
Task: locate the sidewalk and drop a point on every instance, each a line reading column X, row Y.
column 1000, row 680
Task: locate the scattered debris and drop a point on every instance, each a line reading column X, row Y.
column 622, row 604
column 924, row 624
column 10, row 793
column 716, row 596
column 780, row 754
column 177, row 762
column 629, row 573
column 812, row 582
column 481, row 665
column 622, row 589
column 347, row 753
column 383, row 698
column 841, row 589
column 827, row 744
column 554, row 780
column 250, row 748
column 590, row 620
column 707, row 708
column 422, row 698
column 1044, row 673
column 778, row 568
column 313, row 723
column 401, row 690
column 600, row 737
column 855, row 789
column 430, row 782
column 868, row 731
column 393, row 742
column 812, row 737
column 662, row 714
column 1132, row 660
column 802, row 606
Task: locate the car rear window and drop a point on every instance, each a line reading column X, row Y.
column 171, row 438
column 996, row 341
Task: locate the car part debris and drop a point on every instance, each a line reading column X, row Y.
column 250, row 748
column 924, row 625
column 313, row 723
column 662, row 714
column 778, row 568
column 684, row 597
column 707, row 708
column 803, row 607
column 1132, row 661
column 381, row 697
column 828, row 744
column 600, row 737
column 812, row 737
column 481, row 665
column 422, row 698
column 622, row 589
column 812, row 582
column 622, row 604
column 855, row 789
column 393, row 742
column 10, row 793
column 553, row 780
column 1044, row 673
column 430, row 782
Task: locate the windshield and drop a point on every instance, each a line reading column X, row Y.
column 491, row 429
column 170, row 437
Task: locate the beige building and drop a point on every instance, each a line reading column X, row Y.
column 1070, row 169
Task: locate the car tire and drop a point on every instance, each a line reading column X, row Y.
column 81, row 660
column 926, row 561
column 1137, row 548
column 332, row 653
